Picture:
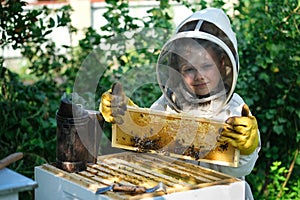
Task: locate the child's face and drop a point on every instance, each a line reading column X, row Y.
column 200, row 70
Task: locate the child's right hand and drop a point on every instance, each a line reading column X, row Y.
column 242, row 132
column 114, row 104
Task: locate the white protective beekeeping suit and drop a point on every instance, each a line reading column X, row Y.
column 210, row 25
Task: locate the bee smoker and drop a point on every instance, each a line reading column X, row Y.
column 96, row 122
column 78, row 136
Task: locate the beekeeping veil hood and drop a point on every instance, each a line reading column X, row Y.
column 206, row 28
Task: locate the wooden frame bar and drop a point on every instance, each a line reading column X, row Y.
column 175, row 135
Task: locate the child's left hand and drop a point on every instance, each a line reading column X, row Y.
column 241, row 132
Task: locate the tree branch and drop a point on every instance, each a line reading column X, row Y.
column 289, row 174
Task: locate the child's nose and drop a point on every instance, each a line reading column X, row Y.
column 199, row 75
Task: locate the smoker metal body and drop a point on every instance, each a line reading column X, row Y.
column 78, row 136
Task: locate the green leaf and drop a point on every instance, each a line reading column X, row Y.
column 298, row 137
column 51, row 23
column 278, row 129
column 24, row 122
column 265, row 77
column 282, row 120
column 271, row 113
column 298, row 159
column 37, row 142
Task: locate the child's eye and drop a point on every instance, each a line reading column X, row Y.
column 188, row 69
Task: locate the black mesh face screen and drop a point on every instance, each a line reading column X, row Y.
column 210, row 28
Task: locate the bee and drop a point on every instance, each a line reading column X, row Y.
column 145, row 144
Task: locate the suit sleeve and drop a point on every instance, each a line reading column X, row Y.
column 246, row 162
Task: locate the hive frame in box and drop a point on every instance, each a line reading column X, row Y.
column 182, row 179
column 138, row 124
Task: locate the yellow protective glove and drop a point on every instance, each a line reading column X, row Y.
column 241, row 132
column 114, row 104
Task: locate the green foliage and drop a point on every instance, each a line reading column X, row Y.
column 24, row 108
column 269, row 79
column 27, row 122
column 45, row 58
column 268, row 34
column 15, row 24
column 195, row 6
column 28, row 111
column 278, row 177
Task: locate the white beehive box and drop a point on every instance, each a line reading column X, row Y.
column 182, row 180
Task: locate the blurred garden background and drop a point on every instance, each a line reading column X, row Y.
column 44, row 45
